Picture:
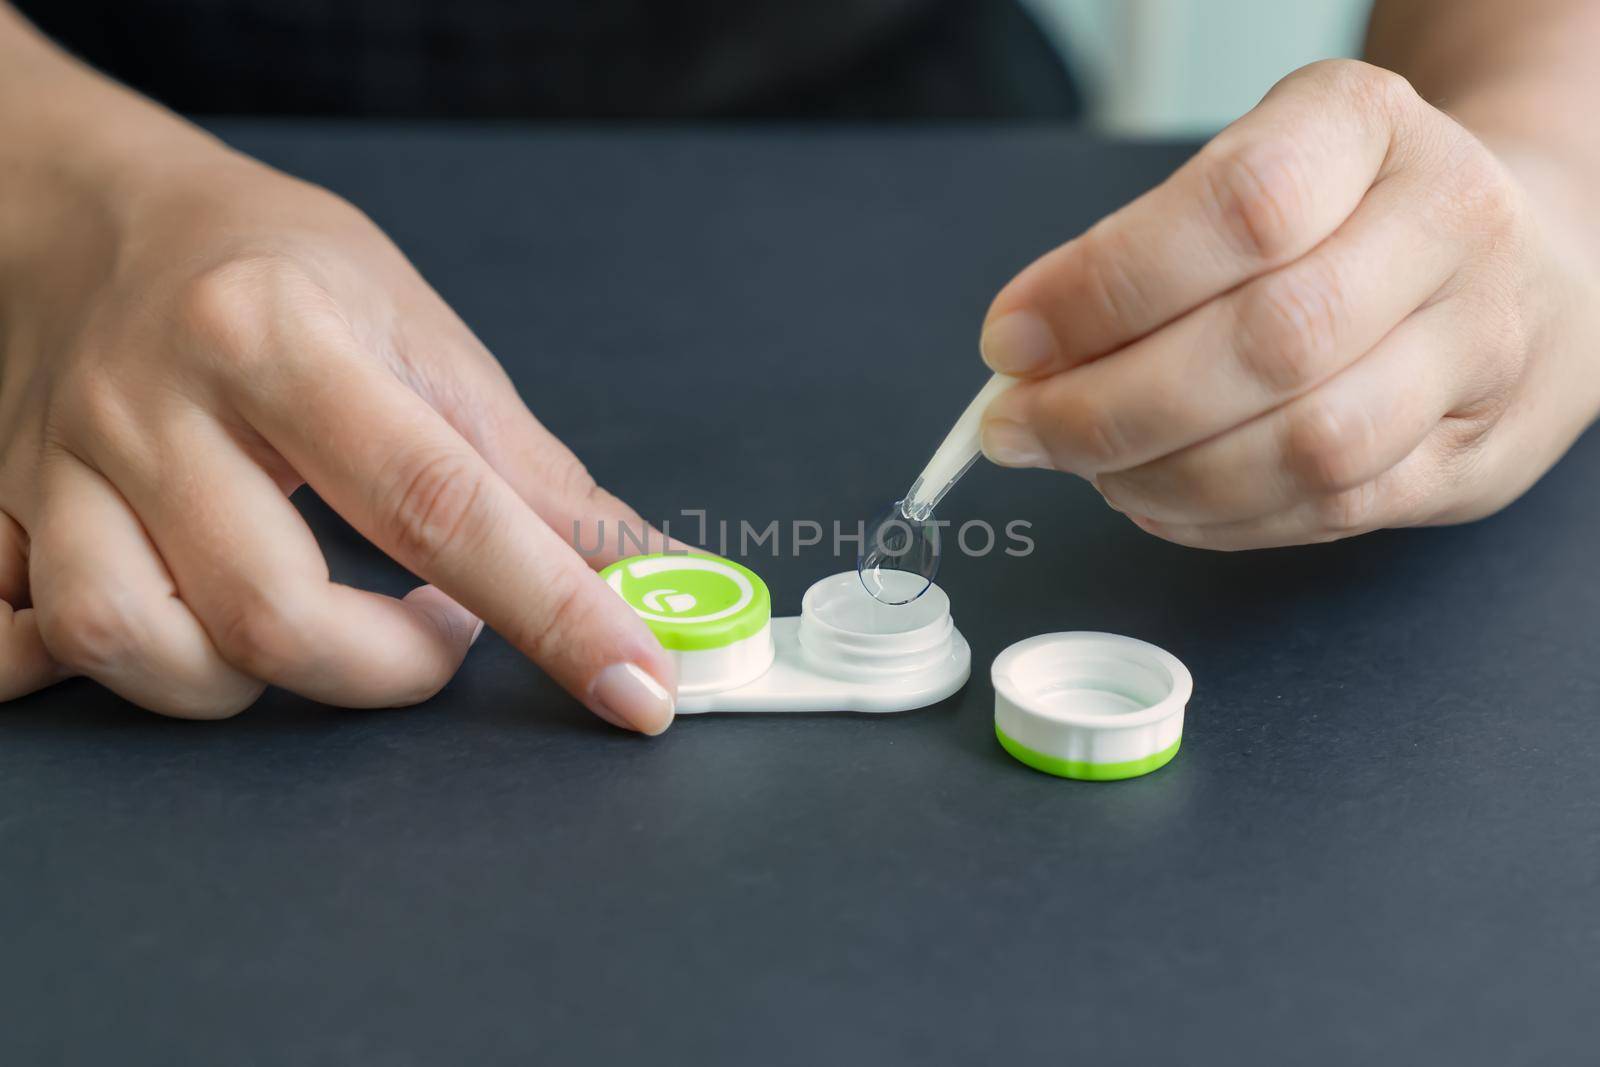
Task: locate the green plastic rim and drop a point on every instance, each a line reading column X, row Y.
column 692, row 602
column 1082, row 770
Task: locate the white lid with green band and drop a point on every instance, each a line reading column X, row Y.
column 1089, row 705
column 711, row 613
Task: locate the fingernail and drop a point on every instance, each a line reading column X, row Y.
column 1011, row 444
column 477, row 632
column 632, row 696
column 1018, row 342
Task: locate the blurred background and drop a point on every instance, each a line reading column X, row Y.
column 1178, row 67
column 1129, row 67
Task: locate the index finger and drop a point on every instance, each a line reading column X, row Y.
column 402, row 476
column 1264, row 192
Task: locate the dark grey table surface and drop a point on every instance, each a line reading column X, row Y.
column 1380, row 844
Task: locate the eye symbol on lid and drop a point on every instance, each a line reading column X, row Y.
column 669, row 601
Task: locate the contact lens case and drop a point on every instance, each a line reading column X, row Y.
column 1078, row 704
column 846, row 651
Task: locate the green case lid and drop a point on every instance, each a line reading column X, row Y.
column 692, row 602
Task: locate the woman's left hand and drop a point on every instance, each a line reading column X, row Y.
column 1345, row 313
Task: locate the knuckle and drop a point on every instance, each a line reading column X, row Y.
column 1350, row 510
column 97, row 405
column 264, row 633
column 1370, row 87
column 229, row 309
column 1257, row 194
column 107, row 633
column 1088, row 431
column 1290, row 326
column 208, row 706
column 434, row 506
column 1508, row 338
column 95, row 631
column 565, row 613
column 1479, row 198
column 207, row 699
column 1111, row 287
column 223, row 301
column 1330, row 451
column 570, row 479
column 1202, row 496
column 1160, row 491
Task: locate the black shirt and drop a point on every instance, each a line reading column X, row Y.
column 573, row 58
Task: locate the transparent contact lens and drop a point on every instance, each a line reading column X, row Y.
column 900, row 550
column 899, row 554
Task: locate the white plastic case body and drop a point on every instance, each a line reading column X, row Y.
column 845, row 652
